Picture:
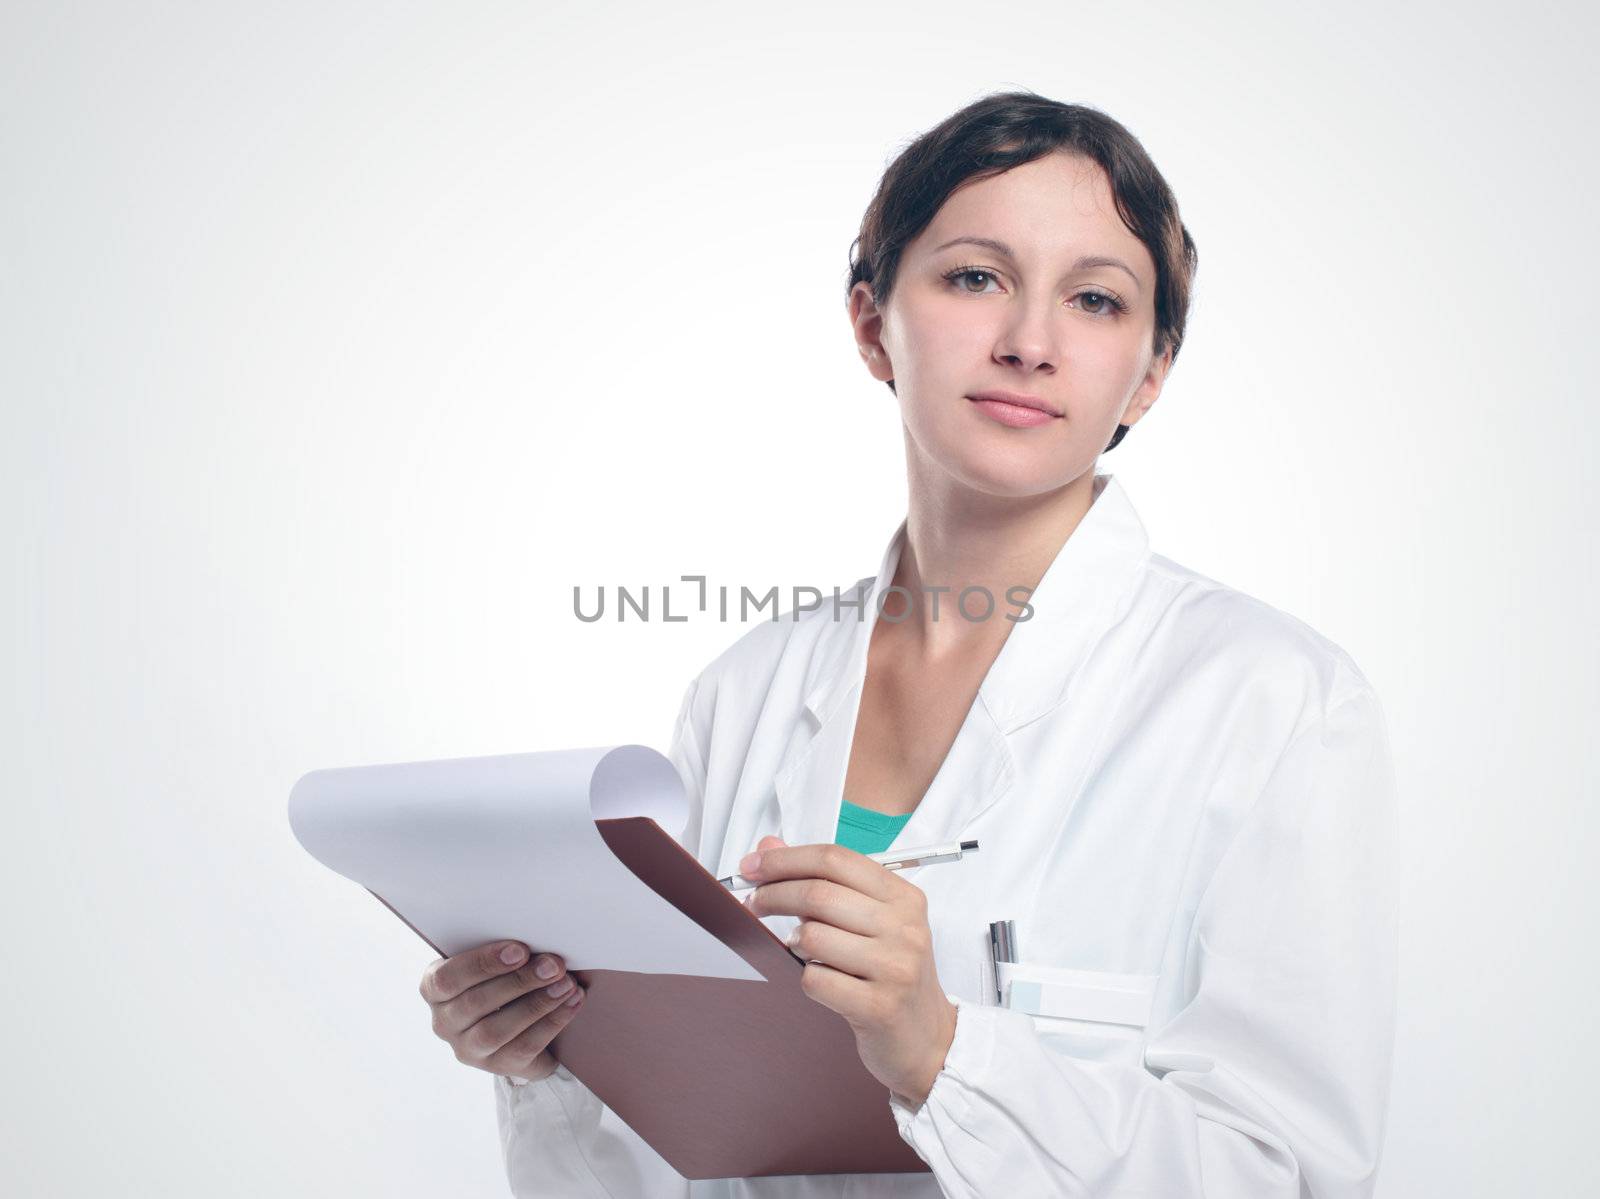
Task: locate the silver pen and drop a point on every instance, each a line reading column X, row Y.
column 897, row 859
column 1002, row 948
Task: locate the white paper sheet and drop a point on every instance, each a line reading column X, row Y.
column 471, row 850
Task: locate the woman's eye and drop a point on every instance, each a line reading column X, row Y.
column 966, row 273
column 1101, row 303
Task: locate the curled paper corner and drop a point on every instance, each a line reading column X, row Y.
column 635, row 780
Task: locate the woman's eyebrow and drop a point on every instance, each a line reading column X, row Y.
column 999, row 247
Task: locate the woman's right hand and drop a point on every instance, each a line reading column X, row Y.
column 499, row 1008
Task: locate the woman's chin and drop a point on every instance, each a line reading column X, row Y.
column 1012, row 475
column 989, row 459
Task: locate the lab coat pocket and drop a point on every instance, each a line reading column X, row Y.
column 1090, row 1013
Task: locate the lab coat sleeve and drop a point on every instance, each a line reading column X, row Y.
column 1273, row 1077
column 558, row 1139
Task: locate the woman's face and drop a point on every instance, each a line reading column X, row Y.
column 1059, row 306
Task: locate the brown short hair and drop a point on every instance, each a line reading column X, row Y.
column 1006, row 129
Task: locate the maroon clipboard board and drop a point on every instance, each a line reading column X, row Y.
column 724, row 1078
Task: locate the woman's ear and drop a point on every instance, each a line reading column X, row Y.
column 1149, row 389
column 866, row 323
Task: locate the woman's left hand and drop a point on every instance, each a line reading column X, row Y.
column 864, row 933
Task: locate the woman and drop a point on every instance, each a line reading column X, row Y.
column 1184, row 797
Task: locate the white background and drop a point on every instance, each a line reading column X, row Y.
column 340, row 342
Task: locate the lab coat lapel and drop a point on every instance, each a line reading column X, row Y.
column 975, row 775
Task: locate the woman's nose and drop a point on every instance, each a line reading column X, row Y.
column 1029, row 342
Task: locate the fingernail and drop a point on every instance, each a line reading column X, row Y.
column 547, row 968
column 556, row 990
column 573, row 1001
column 749, row 864
column 512, row 954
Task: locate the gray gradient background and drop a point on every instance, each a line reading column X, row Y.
column 340, row 341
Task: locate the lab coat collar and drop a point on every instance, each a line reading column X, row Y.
column 1082, row 593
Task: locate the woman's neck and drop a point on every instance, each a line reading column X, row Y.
column 957, row 539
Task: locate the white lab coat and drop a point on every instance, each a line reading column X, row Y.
column 1181, row 793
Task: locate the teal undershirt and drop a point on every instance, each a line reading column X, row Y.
column 866, row 831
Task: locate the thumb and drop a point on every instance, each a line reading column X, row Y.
column 771, row 843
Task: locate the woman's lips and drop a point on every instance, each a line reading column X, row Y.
column 1014, row 415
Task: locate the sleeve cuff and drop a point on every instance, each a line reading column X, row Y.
column 516, row 1080
column 950, row 1097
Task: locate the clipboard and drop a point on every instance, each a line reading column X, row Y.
column 724, row 1078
